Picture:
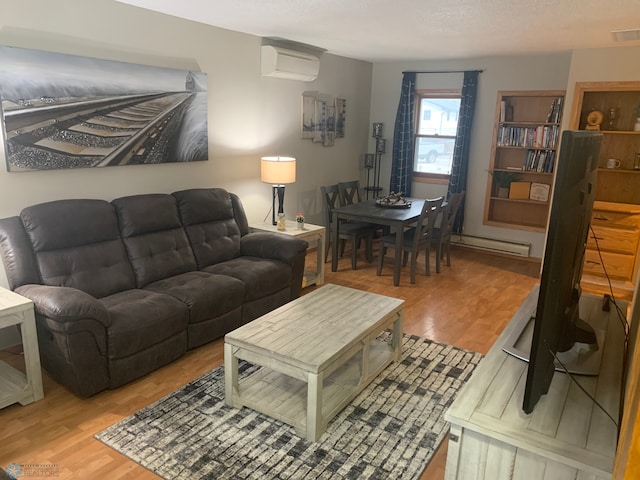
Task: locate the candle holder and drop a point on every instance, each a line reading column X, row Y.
column 372, row 160
column 612, row 119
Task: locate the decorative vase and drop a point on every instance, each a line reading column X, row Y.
column 636, row 127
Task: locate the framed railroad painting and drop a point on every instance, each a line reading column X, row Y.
column 66, row 111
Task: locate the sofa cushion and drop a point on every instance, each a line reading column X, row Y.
column 77, row 244
column 141, row 319
column 17, row 255
column 207, row 295
column 209, row 218
column 261, row 276
column 156, row 243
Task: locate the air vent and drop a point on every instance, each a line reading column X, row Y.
column 630, row 35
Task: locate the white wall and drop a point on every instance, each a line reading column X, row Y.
column 249, row 115
column 541, row 72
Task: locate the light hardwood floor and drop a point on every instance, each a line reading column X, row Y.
column 467, row 305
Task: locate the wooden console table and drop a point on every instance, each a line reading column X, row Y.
column 16, row 387
column 566, row 436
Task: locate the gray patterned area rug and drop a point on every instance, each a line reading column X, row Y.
column 389, row 431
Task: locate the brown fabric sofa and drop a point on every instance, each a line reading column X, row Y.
column 122, row 288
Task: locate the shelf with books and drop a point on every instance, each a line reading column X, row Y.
column 526, row 133
column 539, row 136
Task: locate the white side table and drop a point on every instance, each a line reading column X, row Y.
column 314, row 234
column 14, row 385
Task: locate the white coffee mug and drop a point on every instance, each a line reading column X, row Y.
column 613, row 163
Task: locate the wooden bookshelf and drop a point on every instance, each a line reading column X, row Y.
column 525, row 138
column 616, row 215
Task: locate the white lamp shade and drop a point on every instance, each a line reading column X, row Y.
column 278, row 170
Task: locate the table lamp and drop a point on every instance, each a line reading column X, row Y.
column 277, row 171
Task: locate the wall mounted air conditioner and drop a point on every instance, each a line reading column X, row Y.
column 283, row 63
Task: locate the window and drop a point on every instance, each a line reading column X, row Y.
column 435, row 135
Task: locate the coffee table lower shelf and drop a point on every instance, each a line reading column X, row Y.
column 285, row 396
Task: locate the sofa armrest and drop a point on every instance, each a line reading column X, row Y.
column 72, row 336
column 65, row 304
column 275, row 246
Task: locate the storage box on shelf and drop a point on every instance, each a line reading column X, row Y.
column 526, row 132
column 612, row 108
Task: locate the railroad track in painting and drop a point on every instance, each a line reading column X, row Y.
column 65, row 133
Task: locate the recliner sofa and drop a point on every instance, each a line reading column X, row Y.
column 122, row 288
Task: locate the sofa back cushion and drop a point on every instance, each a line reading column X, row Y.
column 210, row 217
column 16, row 250
column 77, row 244
column 156, row 243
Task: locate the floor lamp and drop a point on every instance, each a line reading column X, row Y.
column 277, row 171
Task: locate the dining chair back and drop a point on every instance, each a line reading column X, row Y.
column 441, row 237
column 349, row 192
column 415, row 239
column 354, row 231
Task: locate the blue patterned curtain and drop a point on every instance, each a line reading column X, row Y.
column 460, row 163
column 402, row 157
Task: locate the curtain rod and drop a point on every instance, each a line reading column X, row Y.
column 443, row 71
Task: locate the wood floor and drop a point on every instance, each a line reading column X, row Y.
column 467, row 305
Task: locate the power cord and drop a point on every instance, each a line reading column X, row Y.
column 571, row 377
column 273, row 196
column 622, row 317
column 625, row 327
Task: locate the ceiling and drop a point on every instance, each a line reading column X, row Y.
column 391, row 30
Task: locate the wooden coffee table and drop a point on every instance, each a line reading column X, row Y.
column 317, row 352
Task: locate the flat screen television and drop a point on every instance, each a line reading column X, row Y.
column 557, row 325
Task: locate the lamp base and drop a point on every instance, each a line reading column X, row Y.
column 278, row 190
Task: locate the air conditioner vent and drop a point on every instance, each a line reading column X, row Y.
column 626, row 35
column 290, row 64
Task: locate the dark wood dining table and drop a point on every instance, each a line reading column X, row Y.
column 397, row 218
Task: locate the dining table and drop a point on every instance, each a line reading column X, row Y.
column 397, row 218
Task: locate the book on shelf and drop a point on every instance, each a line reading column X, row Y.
column 506, row 111
column 542, row 136
column 555, row 111
column 540, row 161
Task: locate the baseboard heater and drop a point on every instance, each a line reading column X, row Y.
column 508, row 247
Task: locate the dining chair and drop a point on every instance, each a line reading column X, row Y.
column 415, row 239
column 441, row 237
column 349, row 192
column 354, row 231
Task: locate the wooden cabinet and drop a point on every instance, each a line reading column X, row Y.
column 525, row 138
column 612, row 107
column 565, row 436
